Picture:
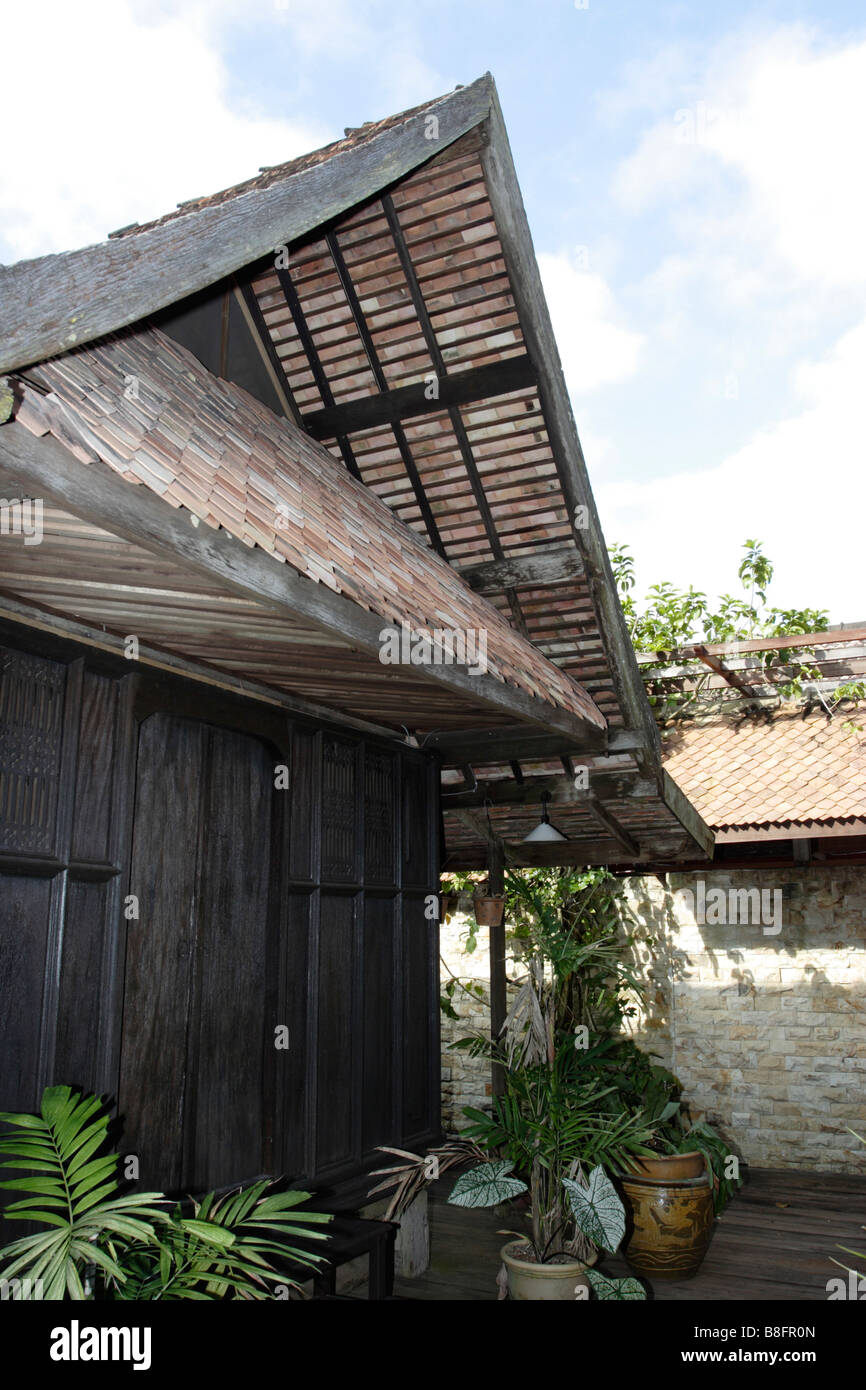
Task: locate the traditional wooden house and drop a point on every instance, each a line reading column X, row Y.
column 296, row 531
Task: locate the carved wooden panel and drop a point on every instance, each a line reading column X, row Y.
column 31, row 727
column 380, row 839
column 339, row 812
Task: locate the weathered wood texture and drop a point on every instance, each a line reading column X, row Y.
column 258, row 907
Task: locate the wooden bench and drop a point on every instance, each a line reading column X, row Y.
column 348, row 1238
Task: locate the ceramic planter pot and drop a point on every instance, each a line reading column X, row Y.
column 672, row 1166
column 672, row 1225
column 489, row 912
column 535, row 1283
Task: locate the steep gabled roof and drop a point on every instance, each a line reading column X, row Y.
column 406, row 330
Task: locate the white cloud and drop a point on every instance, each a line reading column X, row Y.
column 595, row 347
column 797, row 486
column 127, row 113
column 766, row 151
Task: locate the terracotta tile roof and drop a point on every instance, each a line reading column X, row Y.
column 148, row 409
column 777, row 772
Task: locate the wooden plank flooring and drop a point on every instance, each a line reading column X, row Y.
column 774, row 1241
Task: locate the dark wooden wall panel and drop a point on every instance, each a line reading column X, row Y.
column 293, row 1156
column 415, row 829
column 334, row 1035
column 380, row 816
column 303, row 801
column 76, row 1061
column 340, row 832
column 381, row 1013
column 227, row 1061
column 160, row 946
column 94, row 783
column 32, row 698
column 24, row 909
column 257, row 908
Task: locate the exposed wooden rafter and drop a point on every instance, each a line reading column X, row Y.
column 299, row 319
column 550, row 567
column 382, row 385
column 409, row 402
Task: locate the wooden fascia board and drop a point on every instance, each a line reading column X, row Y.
column 61, row 301
column 561, row 790
column 692, row 822
column 45, row 467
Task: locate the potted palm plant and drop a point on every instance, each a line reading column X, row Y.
column 548, row 1138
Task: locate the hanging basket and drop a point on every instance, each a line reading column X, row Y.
column 489, row 912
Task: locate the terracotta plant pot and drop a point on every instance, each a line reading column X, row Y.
column 672, row 1225
column 489, row 912
column 673, row 1167
column 535, row 1283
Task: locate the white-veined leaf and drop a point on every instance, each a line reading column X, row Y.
column 620, row 1290
column 597, row 1209
column 486, row 1185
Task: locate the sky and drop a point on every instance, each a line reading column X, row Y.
column 695, row 182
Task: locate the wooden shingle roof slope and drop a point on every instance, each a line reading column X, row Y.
column 209, row 447
column 407, row 330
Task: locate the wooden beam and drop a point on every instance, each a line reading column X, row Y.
column 505, row 742
column 562, row 854
column 715, row 663
column 612, row 786
column 407, row 402
column 59, row 302
column 454, row 416
column 608, row 821
column 694, row 824
column 831, row 638
column 45, row 468
column 258, row 331
column 381, row 382
column 554, row 566
column 323, row 386
column 498, row 981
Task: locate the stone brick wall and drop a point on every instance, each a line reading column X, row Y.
column 465, row 1079
column 765, row 1029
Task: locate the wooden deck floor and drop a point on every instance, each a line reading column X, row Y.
column 774, row 1241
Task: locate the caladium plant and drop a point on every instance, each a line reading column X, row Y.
column 595, row 1211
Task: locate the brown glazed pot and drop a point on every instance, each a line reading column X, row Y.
column 672, row 1225
column 489, row 911
column 671, row 1166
